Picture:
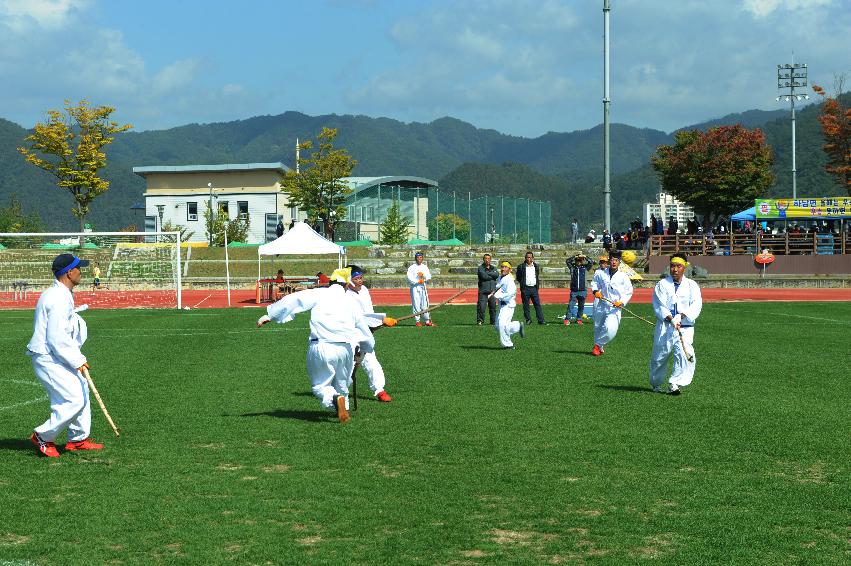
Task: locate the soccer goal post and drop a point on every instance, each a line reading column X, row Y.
column 126, row 269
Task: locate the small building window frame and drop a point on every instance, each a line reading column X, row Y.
column 191, row 211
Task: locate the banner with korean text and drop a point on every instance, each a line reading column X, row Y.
column 804, row 208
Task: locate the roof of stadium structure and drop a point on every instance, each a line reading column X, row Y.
column 363, row 183
column 225, row 167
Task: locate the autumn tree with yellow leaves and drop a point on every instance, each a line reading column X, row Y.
column 835, row 122
column 70, row 145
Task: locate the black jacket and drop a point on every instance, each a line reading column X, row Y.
column 578, row 275
column 487, row 278
column 521, row 275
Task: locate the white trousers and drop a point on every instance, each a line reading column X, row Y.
column 374, row 371
column 606, row 324
column 329, row 366
column 69, row 399
column 419, row 301
column 666, row 342
column 505, row 326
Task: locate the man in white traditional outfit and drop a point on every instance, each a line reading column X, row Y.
column 58, row 335
column 677, row 303
column 506, row 295
column 359, row 294
column 418, row 275
column 337, row 328
column 617, row 288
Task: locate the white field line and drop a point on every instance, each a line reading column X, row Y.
column 30, row 402
column 833, row 320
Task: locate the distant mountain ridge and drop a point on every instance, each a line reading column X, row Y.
column 565, row 168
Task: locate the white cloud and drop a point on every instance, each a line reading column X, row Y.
column 19, row 15
column 763, row 8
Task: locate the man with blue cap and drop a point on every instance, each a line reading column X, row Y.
column 58, row 335
column 418, row 274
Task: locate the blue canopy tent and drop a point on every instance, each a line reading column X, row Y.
column 748, row 214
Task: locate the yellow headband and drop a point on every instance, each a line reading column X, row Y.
column 505, row 264
column 679, row 261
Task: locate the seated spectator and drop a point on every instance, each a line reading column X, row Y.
column 281, row 286
column 322, row 279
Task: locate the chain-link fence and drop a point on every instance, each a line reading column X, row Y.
column 491, row 218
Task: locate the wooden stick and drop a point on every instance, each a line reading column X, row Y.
column 689, row 355
column 100, row 401
column 455, row 296
column 631, row 313
column 355, row 380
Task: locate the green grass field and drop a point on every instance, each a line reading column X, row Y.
column 542, row 455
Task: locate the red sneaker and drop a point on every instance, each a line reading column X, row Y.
column 46, row 448
column 566, row 322
column 430, row 323
column 579, row 321
column 85, row 444
column 597, row 351
column 383, row 397
column 419, row 323
column 342, row 411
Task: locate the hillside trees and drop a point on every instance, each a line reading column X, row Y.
column 318, row 188
column 835, row 119
column 13, row 218
column 444, row 226
column 718, row 172
column 70, row 145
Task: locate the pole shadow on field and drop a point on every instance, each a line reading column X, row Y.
column 627, row 388
column 21, row 444
column 312, row 416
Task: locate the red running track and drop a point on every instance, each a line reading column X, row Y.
column 397, row 297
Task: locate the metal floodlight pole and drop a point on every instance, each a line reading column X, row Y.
column 789, row 76
column 607, row 190
column 211, row 216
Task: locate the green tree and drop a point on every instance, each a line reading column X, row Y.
column 185, row 232
column 445, row 226
column 318, row 188
column 13, row 219
column 215, row 226
column 394, row 228
column 835, row 122
column 70, row 147
column 718, row 172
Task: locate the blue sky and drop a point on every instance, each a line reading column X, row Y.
column 519, row 67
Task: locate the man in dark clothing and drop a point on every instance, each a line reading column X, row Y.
column 279, row 229
column 488, row 274
column 578, row 267
column 673, row 226
column 607, row 241
column 529, row 279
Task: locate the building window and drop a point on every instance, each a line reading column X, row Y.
column 191, row 211
column 224, row 208
column 243, row 208
column 293, row 213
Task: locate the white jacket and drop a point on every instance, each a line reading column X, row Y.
column 57, row 329
column 413, row 278
column 615, row 287
column 685, row 299
column 333, row 316
column 506, row 291
column 363, row 301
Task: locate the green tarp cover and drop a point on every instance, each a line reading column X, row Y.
column 241, row 245
column 355, row 243
column 449, row 242
column 48, row 246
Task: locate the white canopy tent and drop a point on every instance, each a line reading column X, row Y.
column 300, row 240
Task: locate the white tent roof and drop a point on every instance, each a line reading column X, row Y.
column 300, row 240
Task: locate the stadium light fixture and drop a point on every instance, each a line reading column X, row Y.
column 790, row 76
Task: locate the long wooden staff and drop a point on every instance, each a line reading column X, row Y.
column 630, row 312
column 355, row 380
column 100, row 401
column 455, row 296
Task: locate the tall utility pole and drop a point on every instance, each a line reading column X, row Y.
column 790, row 76
column 607, row 190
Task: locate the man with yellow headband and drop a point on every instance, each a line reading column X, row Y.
column 677, row 303
column 506, row 295
column 337, row 327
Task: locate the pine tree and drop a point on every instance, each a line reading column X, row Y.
column 394, row 228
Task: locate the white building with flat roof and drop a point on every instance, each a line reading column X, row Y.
column 668, row 207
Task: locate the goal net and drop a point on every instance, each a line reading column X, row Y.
column 136, row 269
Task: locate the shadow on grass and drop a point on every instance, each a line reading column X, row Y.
column 21, row 444
column 312, row 416
column 581, row 352
column 627, row 388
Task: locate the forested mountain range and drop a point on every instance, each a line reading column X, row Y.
column 565, row 168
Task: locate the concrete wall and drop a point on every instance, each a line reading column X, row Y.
column 745, row 265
